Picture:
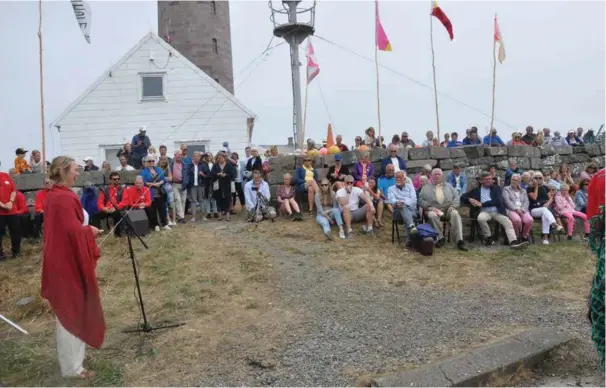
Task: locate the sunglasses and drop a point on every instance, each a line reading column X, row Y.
column 307, row 160
column 115, row 179
column 151, row 161
column 393, row 151
column 324, row 185
column 349, row 183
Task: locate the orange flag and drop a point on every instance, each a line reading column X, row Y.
column 330, row 141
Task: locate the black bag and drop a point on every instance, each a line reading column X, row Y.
column 424, row 245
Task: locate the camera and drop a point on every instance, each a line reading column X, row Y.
column 255, row 188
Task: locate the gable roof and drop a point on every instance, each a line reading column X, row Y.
column 220, row 89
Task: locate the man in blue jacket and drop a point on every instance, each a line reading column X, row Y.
column 399, row 164
column 488, row 200
column 139, row 146
column 493, row 139
column 458, row 180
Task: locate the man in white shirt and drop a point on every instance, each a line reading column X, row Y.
column 403, row 199
column 257, row 190
column 349, row 201
column 123, row 166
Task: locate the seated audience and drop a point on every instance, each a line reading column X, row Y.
column 554, row 178
column 428, row 142
column 349, row 199
column 406, row 141
column 396, row 161
column 457, row 179
column 373, row 192
column 496, row 180
column 590, row 170
column 110, row 195
column 589, row 137
column 516, row 202
column 540, row 200
column 454, row 140
column 440, row 202
column 328, row 210
column 529, row 137
column 35, row 161
column 573, row 140
column 21, row 164
column 39, row 203
column 558, row 141
column 526, row 179
column 337, row 173
column 473, row 138
column 489, row 201
column 363, row 170
column 285, row 196
column 89, row 164
column 446, row 140
column 106, row 167
column 257, row 197
column 124, row 166
column 565, row 174
column 580, row 197
column 306, row 178
column 385, row 182
column 513, row 169
column 403, row 199
column 426, row 170
column 339, row 143
column 138, row 197
column 493, row 139
column 564, row 206
column 423, row 180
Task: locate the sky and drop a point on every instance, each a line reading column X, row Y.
column 553, row 75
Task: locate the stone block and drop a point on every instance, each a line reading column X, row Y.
column 602, row 148
column 27, row 182
column 502, row 164
column 403, row 153
column 578, row 149
column 277, row 177
column 524, row 151
column 593, row 149
column 575, row 158
column 439, row 153
column 496, row 151
column 457, row 152
column 329, row 160
column 273, row 189
column 567, row 150
column 319, row 162
column 322, row 172
column 446, row 164
column 350, row 158
column 283, row 163
column 599, row 161
column 413, row 166
column 461, row 162
column 474, row 151
column 484, row 162
column 126, row 177
column 418, row 153
column 552, row 160
column 90, row 177
column 536, row 163
column 473, row 172
column 576, row 168
column 547, row 150
column 377, row 166
column 523, row 163
column 377, row 154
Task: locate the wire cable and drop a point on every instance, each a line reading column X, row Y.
column 409, row 78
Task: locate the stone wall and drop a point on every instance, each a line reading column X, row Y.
column 472, row 159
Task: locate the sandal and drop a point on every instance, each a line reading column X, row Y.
column 87, row 374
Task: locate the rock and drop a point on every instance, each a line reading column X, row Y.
column 403, row 153
column 496, row 151
column 593, row 149
column 578, row 150
column 524, row 151
column 284, row 163
column 439, row 153
column 329, row 160
column 564, row 150
column 473, row 172
column 25, row 301
column 90, row 177
column 418, row 153
column 547, row 149
column 322, row 173
column 575, row 158
column 319, row 162
column 474, row 151
column 277, row 177
column 484, row 162
column 377, row 154
column 25, row 182
column 350, row 158
column 461, row 162
column 457, row 152
column 446, row 164
column 413, row 166
column 523, row 163
column 553, row 160
column 126, row 177
column 536, row 163
column 599, row 161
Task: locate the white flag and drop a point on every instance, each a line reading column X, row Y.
column 83, row 17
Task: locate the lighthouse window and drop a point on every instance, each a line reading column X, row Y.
column 213, row 8
column 215, row 46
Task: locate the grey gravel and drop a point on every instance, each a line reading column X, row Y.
column 355, row 325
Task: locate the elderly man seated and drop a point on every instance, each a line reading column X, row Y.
column 256, row 195
column 138, row 197
column 488, row 199
column 349, row 201
column 393, row 159
column 403, row 199
column 440, row 201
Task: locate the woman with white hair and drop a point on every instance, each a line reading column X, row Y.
column 417, row 179
column 525, row 179
column 540, row 200
column 286, row 198
column 516, row 202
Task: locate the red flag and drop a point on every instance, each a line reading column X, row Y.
column 498, row 38
column 437, row 12
column 313, row 69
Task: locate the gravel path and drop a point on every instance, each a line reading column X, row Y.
column 363, row 327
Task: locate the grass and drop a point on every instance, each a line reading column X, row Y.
column 221, row 294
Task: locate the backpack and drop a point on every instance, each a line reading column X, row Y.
column 423, row 241
column 426, row 231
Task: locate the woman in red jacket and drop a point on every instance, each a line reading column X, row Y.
column 8, row 195
column 69, row 265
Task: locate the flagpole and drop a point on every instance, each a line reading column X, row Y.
column 43, row 161
column 494, row 84
column 433, row 66
column 378, row 92
column 305, row 107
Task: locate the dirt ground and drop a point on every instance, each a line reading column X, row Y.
column 230, row 284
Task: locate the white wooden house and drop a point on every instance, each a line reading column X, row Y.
column 155, row 86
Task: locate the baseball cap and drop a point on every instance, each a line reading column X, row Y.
column 20, row 151
column 404, row 133
column 349, row 178
column 87, row 159
column 142, row 128
column 338, row 157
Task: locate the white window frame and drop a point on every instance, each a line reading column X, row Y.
column 103, row 148
column 142, row 98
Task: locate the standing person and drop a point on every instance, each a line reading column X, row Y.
column 140, row 144
column 180, row 183
column 8, row 195
column 35, row 161
column 69, row 280
column 222, row 174
column 239, row 189
column 339, row 143
column 127, row 152
column 198, row 173
column 154, row 178
column 169, row 208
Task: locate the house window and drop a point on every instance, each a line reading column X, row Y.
column 213, row 8
column 215, row 46
column 152, row 87
column 193, row 146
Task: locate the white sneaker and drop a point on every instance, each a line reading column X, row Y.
column 342, row 234
column 166, row 227
column 172, row 223
column 545, row 242
column 157, row 228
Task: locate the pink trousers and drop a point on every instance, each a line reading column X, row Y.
column 521, row 224
column 570, row 221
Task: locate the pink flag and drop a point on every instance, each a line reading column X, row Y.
column 498, row 38
column 381, row 39
column 313, row 69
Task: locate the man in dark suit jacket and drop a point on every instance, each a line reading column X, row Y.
column 489, row 201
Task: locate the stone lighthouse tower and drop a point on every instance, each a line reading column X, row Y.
column 200, row 31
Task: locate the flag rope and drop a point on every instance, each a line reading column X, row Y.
column 378, row 93
column 433, row 66
column 494, row 84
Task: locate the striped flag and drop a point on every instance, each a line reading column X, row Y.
column 382, row 41
column 499, row 39
column 83, row 17
column 313, row 69
column 437, row 12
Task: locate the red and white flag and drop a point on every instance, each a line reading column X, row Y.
column 313, row 69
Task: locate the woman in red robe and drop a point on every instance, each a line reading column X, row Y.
column 595, row 193
column 69, row 280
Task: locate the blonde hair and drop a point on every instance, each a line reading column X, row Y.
column 564, row 186
column 152, row 150
column 59, row 165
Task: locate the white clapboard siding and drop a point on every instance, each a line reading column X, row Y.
column 110, row 112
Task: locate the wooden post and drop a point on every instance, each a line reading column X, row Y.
column 378, row 92
column 42, row 125
column 494, row 83
column 305, row 112
column 433, row 66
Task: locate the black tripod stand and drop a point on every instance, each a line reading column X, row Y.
column 129, row 229
column 260, row 197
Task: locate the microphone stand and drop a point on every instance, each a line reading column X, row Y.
column 145, row 327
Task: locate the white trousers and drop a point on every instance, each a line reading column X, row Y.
column 180, row 196
column 546, row 217
column 70, row 350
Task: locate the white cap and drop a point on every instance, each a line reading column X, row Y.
column 142, row 128
column 87, row 159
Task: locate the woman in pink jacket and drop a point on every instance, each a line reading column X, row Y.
column 564, row 206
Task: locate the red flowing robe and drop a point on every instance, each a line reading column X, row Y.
column 69, row 281
column 595, row 193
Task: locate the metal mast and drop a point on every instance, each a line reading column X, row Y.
column 294, row 32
